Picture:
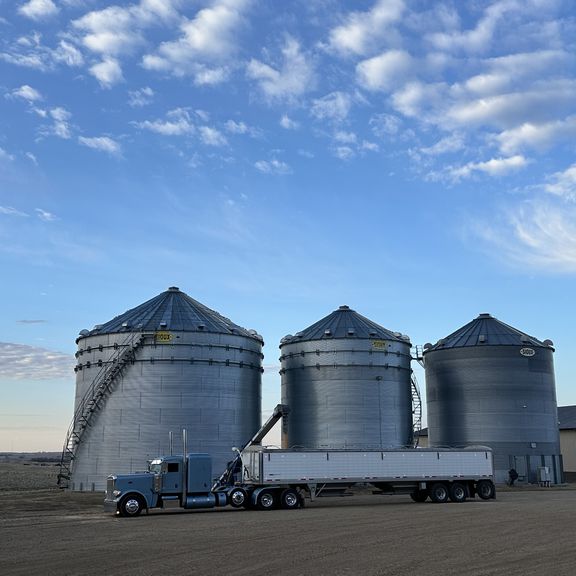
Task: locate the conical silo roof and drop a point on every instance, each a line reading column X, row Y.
column 172, row 310
column 344, row 323
column 485, row 330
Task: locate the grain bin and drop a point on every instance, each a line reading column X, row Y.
column 347, row 383
column 166, row 365
column 489, row 383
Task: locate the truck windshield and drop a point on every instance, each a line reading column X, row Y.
column 155, row 466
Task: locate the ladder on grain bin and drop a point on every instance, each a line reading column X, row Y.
column 124, row 354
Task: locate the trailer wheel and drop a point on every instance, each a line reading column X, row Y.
column 485, row 489
column 237, row 497
column 266, row 500
column 458, row 492
column 131, row 506
column 419, row 495
column 439, row 493
column 289, row 499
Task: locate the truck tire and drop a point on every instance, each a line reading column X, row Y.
column 131, row 506
column 419, row 495
column 289, row 499
column 237, row 497
column 458, row 492
column 485, row 489
column 439, row 493
column 266, row 500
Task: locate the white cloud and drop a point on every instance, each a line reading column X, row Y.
column 288, row 124
column 362, row 30
column 44, row 215
column 291, row 78
column 537, row 235
column 563, row 184
column 108, row 72
column 386, row 71
column 334, row 107
column 273, row 167
column 345, row 137
column 38, row 9
column 384, row 125
column 453, row 143
column 212, row 36
column 211, row 136
column 22, row 362
column 102, row 143
column 60, row 126
column 27, row 93
column 140, row 98
column 236, row 127
column 29, row 52
column 118, row 30
column 68, row 54
column 8, row 210
column 492, row 167
column 537, row 136
column 177, row 124
column 344, row 152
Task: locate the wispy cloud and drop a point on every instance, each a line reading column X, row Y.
column 334, row 107
column 9, row 211
column 538, row 236
column 44, row 215
column 140, row 98
column 23, row 362
column 31, row 321
column 26, row 93
column 563, row 184
column 273, row 167
column 178, row 122
column 102, row 144
column 492, row 167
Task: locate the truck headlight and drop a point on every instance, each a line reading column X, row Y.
column 116, row 493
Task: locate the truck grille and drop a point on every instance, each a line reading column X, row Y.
column 110, row 488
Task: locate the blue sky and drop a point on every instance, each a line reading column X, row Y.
column 412, row 159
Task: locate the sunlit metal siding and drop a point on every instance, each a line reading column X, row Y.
column 346, row 381
column 206, row 382
column 491, row 384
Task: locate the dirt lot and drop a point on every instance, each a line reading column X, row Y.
column 524, row 532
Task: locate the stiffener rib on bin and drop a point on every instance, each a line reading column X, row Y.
column 194, row 370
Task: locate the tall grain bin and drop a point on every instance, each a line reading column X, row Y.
column 488, row 383
column 347, row 382
column 166, row 365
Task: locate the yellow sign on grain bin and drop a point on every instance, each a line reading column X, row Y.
column 379, row 344
column 163, row 337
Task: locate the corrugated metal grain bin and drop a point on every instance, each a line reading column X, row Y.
column 166, row 365
column 347, row 382
column 490, row 384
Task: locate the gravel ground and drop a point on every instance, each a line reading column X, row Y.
column 523, row 532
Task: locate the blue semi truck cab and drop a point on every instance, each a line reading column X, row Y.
column 171, row 481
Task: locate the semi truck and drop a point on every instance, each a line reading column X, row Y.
column 264, row 478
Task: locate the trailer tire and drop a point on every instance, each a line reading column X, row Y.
column 458, row 492
column 289, row 499
column 485, row 489
column 131, row 505
column 419, row 495
column 439, row 493
column 238, row 498
column 266, row 500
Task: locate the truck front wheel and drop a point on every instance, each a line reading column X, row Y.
column 131, row 506
column 439, row 493
column 237, row 497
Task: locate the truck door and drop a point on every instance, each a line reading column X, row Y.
column 171, row 477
